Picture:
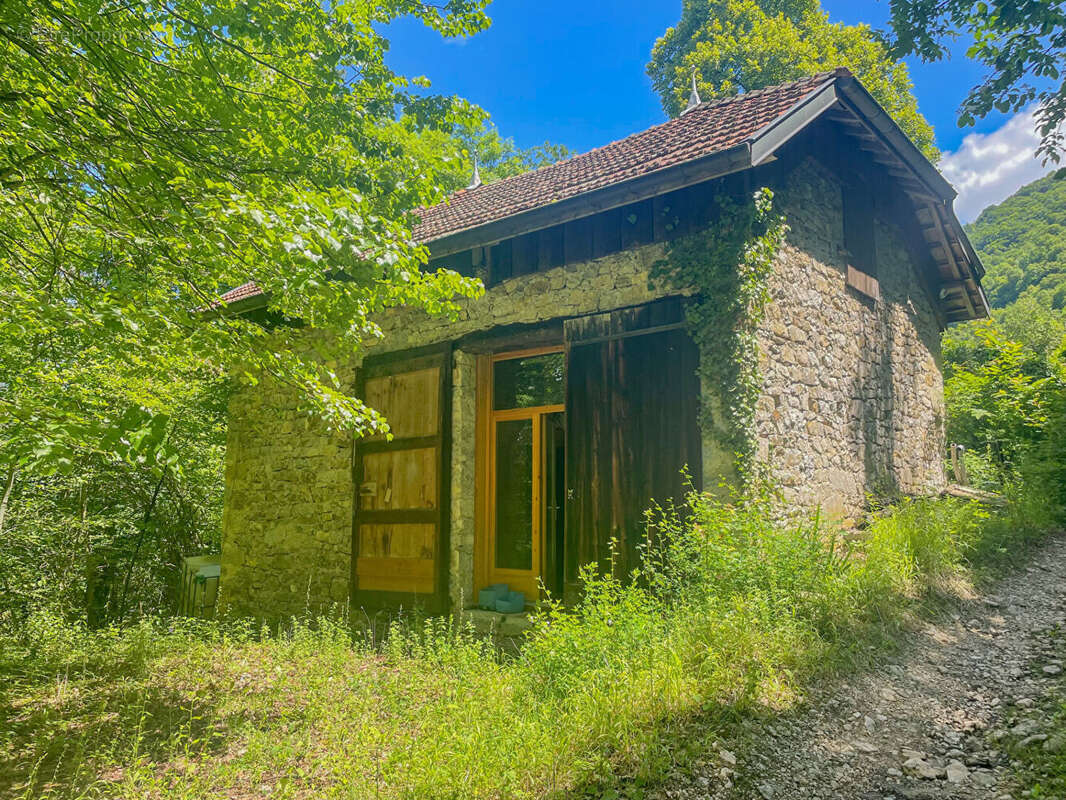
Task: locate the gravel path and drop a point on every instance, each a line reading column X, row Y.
column 930, row 724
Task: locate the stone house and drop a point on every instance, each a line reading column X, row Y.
column 536, row 429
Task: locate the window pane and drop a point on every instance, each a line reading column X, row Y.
column 533, row 381
column 514, row 494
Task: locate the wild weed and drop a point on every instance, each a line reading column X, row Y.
column 732, row 610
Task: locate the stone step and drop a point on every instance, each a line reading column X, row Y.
column 495, row 623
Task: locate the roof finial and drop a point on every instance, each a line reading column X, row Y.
column 476, row 180
column 694, row 97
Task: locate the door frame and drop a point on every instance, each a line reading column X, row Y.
column 485, row 571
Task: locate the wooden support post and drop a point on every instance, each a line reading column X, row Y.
column 961, row 476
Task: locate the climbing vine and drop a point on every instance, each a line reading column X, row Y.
column 729, row 264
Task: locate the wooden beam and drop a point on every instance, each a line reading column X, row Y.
column 941, row 236
column 770, row 139
column 858, row 100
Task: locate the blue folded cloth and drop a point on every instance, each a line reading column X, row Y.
column 511, row 603
column 487, row 597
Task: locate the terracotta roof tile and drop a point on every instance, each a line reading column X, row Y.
column 706, row 129
column 242, row 292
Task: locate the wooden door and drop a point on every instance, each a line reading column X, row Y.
column 553, row 504
column 400, row 517
column 632, row 424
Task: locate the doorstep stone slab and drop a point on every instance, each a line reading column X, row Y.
column 496, row 623
column 483, row 621
column 514, row 624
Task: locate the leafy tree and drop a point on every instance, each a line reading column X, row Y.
column 504, row 159
column 741, row 45
column 997, row 396
column 154, row 155
column 1045, row 468
column 1037, row 329
column 1021, row 42
column 151, row 157
column 1004, row 377
column 498, row 157
column 105, row 541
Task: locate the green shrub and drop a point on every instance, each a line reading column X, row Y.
column 928, row 535
column 982, row 470
column 616, row 627
column 733, row 610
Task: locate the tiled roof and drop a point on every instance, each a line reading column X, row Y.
column 707, row 129
column 242, row 292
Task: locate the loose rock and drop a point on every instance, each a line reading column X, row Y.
column 920, row 768
column 1056, row 743
column 956, row 772
column 1036, row 738
column 924, row 724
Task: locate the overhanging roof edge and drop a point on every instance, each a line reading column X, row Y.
column 860, row 102
column 643, row 187
column 766, row 141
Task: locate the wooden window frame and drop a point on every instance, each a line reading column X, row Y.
column 485, row 570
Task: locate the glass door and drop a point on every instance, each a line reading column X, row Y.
column 528, row 391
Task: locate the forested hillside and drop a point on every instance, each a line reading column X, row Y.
column 1004, row 376
column 1022, row 243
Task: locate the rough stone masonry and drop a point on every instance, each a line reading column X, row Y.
column 852, row 404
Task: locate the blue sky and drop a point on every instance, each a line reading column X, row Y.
column 573, row 73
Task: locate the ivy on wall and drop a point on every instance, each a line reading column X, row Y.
column 728, row 263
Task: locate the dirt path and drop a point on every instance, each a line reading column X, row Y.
column 930, row 724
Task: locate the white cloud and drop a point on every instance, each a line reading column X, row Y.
column 989, row 167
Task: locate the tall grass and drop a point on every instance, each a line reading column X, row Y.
column 731, row 611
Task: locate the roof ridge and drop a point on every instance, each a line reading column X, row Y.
column 817, row 77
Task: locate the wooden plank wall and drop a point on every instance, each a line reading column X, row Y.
column 632, row 424
column 594, row 236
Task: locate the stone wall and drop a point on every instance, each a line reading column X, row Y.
column 287, row 514
column 853, row 400
column 603, row 284
column 853, row 404
column 464, row 445
column 286, row 524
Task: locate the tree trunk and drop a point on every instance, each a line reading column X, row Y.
column 140, row 541
column 8, row 486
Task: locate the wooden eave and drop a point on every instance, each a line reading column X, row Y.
column 958, row 270
column 843, row 100
column 616, row 195
column 955, row 271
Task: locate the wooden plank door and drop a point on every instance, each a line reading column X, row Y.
column 553, row 505
column 632, row 424
column 400, row 512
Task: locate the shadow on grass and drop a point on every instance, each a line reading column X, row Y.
column 61, row 739
column 687, row 744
